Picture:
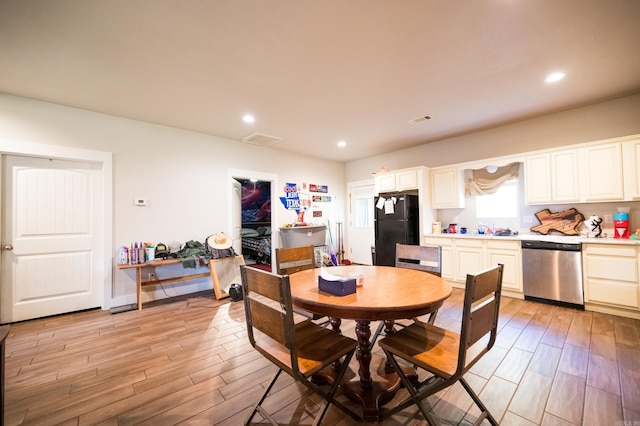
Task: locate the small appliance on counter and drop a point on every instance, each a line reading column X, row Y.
column 621, row 223
column 436, row 227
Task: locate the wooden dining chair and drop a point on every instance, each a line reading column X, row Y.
column 295, row 259
column 445, row 354
column 421, row 258
column 299, row 349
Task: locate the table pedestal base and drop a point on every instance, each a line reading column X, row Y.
column 385, row 384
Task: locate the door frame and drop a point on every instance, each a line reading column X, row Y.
column 349, row 222
column 105, row 159
column 252, row 174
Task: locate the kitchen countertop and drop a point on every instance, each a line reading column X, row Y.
column 540, row 237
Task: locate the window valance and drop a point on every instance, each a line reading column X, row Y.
column 482, row 182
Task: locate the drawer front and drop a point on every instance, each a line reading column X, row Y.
column 503, row 245
column 612, row 268
column 610, row 250
column 462, row 242
column 617, row 293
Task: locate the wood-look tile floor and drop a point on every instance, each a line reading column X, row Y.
column 188, row 362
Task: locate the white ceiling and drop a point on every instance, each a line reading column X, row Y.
column 316, row 72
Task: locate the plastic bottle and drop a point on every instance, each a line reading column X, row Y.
column 123, row 255
column 141, row 254
column 133, row 255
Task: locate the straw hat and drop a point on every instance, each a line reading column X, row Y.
column 220, row 241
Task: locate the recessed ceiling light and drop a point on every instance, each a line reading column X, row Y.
column 342, row 144
column 554, row 77
column 248, row 118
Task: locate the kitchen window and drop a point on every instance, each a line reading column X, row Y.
column 501, row 204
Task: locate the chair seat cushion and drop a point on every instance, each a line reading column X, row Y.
column 317, row 348
column 432, row 348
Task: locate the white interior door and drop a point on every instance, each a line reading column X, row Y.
column 53, row 249
column 361, row 232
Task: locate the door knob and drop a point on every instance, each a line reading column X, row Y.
column 7, row 247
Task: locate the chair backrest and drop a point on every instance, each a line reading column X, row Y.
column 294, row 259
column 268, row 309
column 423, row 258
column 480, row 314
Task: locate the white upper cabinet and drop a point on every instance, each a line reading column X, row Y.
column 552, row 178
column 408, row 179
column 631, row 158
column 385, row 182
column 602, row 176
column 400, row 180
column 564, row 171
column 447, row 188
column 603, row 171
column 537, row 177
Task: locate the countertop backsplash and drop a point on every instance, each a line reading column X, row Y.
column 467, row 217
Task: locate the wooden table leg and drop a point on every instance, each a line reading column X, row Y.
column 371, row 388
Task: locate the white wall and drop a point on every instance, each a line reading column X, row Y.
column 182, row 174
column 615, row 118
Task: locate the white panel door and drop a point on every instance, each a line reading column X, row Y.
column 361, row 231
column 52, row 252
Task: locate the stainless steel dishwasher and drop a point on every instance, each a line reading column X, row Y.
column 552, row 272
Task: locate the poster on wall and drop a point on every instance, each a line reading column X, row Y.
column 256, row 202
column 311, row 203
column 296, row 201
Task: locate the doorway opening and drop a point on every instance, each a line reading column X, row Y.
column 255, row 233
column 235, row 176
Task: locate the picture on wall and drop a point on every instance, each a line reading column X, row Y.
column 256, row 202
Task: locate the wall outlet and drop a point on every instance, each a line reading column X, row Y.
column 152, row 276
column 608, row 218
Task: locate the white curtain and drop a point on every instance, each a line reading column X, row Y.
column 482, row 182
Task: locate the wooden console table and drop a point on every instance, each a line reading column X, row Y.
column 184, row 277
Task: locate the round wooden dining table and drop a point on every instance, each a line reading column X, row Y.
column 388, row 294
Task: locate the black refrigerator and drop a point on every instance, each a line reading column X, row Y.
column 396, row 221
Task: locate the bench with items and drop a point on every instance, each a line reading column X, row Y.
column 216, row 253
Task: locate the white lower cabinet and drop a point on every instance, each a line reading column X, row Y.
column 446, row 260
column 611, row 275
column 509, row 254
column 468, row 258
column 462, row 256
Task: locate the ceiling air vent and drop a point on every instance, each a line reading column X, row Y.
column 420, row 119
column 261, row 139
